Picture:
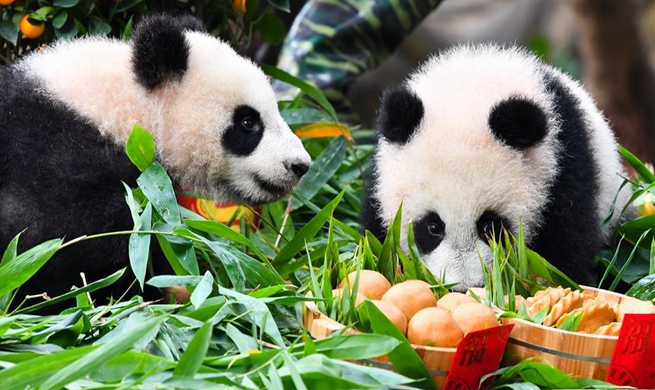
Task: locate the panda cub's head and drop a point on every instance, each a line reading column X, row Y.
column 213, row 113
column 466, row 146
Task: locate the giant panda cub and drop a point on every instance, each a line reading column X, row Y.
column 483, row 137
column 66, row 113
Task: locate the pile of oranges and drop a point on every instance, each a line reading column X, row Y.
column 415, row 310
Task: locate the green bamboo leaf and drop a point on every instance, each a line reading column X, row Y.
column 33, row 372
column 357, row 346
column 306, row 234
column 98, row 284
column 388, row 261
column 229, row 257
column 634, row 229
column 16, row 272
column 139, row 246
column 163, row 281
column 97, row 357
column 644, row 289
column 191, row 359
column 11, row 252
column 243, row 342
column 304, row 86
column 221, row 230
column 258, row 313
column 158, row 188
column 202, row 290
column 301, row 116
column 638, row 165
column 321, row 170
column 179, row 251
column 404, row 358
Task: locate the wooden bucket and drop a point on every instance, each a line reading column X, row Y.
column 437, row 360
column 577, row 354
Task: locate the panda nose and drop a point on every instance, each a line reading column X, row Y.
column 297, row 168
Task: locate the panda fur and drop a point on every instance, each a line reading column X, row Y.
column 66, row 113
column 481, row 137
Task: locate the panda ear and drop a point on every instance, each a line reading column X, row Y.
column 518, row 122
column 400, row 114
column 160, row 50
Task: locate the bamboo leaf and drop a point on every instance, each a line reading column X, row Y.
column 304, row 86
column 97, row 357
column 16, row 272
column 158, row 188
column 306, row 234
column 191, row 360
column 202, row 290
column 321, row 170
column 140, row 146
column 404, row 358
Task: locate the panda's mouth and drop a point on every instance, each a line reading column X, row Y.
column 272, row 188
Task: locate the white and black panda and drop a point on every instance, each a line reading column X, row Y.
column 482, row 137
column 66, row 113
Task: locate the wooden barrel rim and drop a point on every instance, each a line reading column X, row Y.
column 555, row 352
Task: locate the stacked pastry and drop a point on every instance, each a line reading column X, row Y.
column 598, row 315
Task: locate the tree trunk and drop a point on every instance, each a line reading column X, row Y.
column 617, row 72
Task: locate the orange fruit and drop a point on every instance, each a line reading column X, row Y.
column 450, row 301
column 434, row 327
column 393, row 314
column 410, row 296
column 474, row 316
column 371, row 284
column 6, row 2
column 30, row 30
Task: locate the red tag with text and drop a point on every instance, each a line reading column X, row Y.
column 632, row 362
column 478, row 354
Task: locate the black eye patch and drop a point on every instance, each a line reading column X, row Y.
column 429, row 231
column 490, row 225
column 245, row 133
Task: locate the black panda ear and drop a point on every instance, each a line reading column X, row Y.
column 400, row 114
column 160, row 50
column 518, row 122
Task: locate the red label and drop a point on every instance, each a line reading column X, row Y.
column 478, row 354
column 632, row 362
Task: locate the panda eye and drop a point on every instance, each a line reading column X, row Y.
column 490, row 226
column 248, row 123
column 429, row 232
column 435, row 229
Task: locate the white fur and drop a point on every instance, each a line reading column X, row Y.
column 187, row 117
column 454, row 166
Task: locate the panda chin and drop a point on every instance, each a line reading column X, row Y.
column 262, row 191
column 276, row 190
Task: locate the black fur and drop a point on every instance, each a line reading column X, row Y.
column 429, row 231
column 571, row 233
column 161, row 51
column 59, row 178
column 400, row 115
column 518, row 122
column 245, row 133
